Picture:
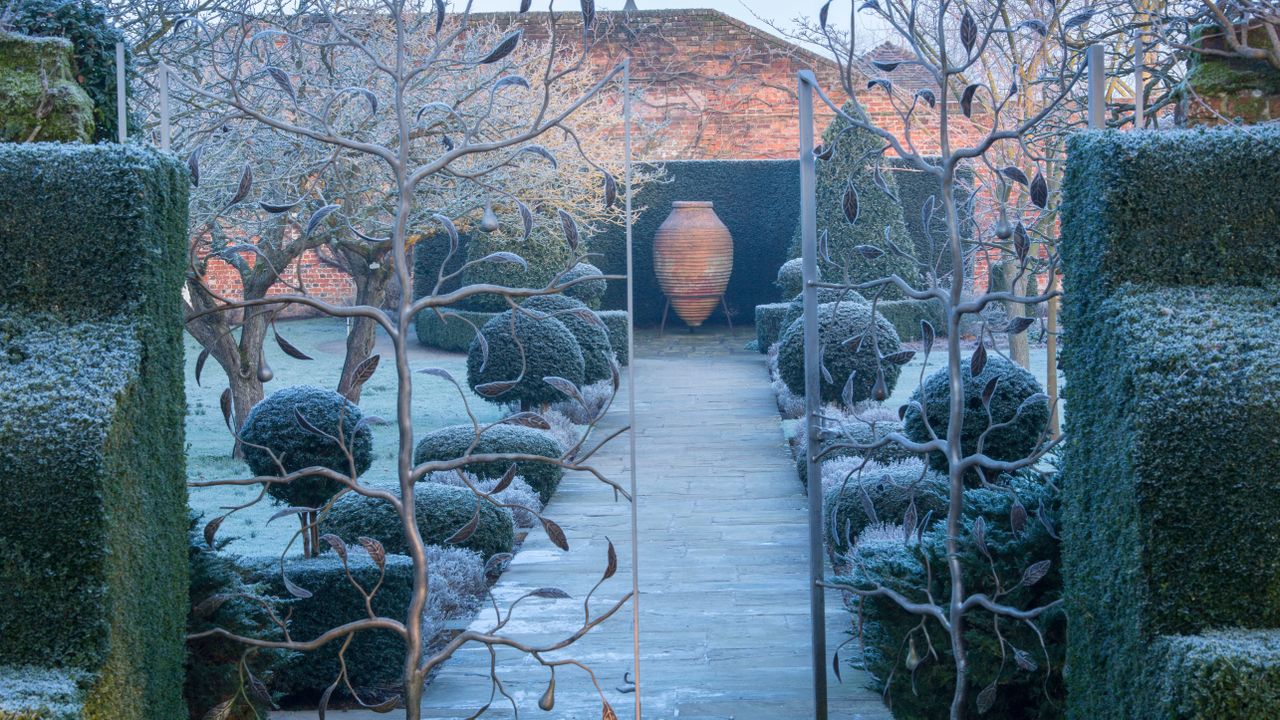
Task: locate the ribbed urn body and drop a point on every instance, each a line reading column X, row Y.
column 693, row 257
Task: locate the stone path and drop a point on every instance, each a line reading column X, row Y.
column 724, row 619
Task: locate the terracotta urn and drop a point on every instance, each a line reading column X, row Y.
column 693, row 256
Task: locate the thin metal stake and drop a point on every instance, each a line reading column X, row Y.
column 165, row 136
column 1139, row 85
column 1097, row 87
column 631, row 389
column 122, row 112
column 812, row 391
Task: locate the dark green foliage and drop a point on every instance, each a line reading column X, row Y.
column 222, row 597
column 442, row 510
column 1175, row 395
column 94, row 511
column 590, row 292
column 85, row 24
column 524, row 350
column 375, row 658
column 1228, row 674
column 741, row 191
column 452, row 442
column 790, row 279
column 931, row 250
column 429, row 252
column 547, row 254
column 795, row 308
column 856, row 432
column 769, row 324
column 838, row 322
column 890, row 633
column 907, row 314
column 1018, row 400
column 452, row 330
column 619, row 326
column 273, row 425
column 890, row 490
column 592, row 339
column 856, row 154
column 1185, row 207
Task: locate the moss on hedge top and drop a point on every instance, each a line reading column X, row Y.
column 274, row 424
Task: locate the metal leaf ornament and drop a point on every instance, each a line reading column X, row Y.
column 968, row 32
column 850, row 203
column 503, row 49
column 966, row 99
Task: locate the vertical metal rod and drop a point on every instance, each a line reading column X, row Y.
column 631, row 390
column 1097, row 86
column 165, row 136
column 812, row 390
column 122, row 112
column 1139, row 84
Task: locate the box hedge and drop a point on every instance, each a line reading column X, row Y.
column 619, row 328
column 738, row 189
column 375, row 658
column 450, row 330
column 1171, row 488
column 452, row 442
column 441, row 510
column 1220, row 674
column 769, row 324
column 93, row 504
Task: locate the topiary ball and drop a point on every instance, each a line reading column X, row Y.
column 451, row 443
column 273, row 424
column 791, row 278
column 590, row 292
column 890, row 490
column 837, row 323
column 593, row 339
column 441, row 510
column 523, row 350
column 825, row 295
column 1017, row 394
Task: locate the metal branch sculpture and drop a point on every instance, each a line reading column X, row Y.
column 420, row 148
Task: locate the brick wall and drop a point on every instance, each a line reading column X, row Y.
column 717, row 88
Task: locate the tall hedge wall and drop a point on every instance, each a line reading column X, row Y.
column 758, row 200
column 1171, row 482
column 92, row 496
column 914, row 189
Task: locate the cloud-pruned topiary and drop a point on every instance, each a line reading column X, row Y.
column 791, row 278
column 593, row 338
column 890, row 491
column 838, row 323
column 451, row 443
column 522, row 350
column 590, row 292
column 274, row 424
column 855, row 155
column 1027, row 677
column 441, row 510
column 795, row 309
column 546, row 253
column 853, row 431
column 1018, row 400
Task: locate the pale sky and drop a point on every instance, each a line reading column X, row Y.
column 756, row 12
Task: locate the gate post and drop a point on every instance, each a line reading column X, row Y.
column 812, row 390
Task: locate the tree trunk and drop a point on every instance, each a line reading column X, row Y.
column 239, row 360
column 371, row 289
column 1019, row 349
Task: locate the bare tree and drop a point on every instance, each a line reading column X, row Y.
column 325, row 126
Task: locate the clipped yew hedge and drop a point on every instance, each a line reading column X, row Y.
column 93, row 240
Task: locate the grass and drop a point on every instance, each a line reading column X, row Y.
column 436, row 403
